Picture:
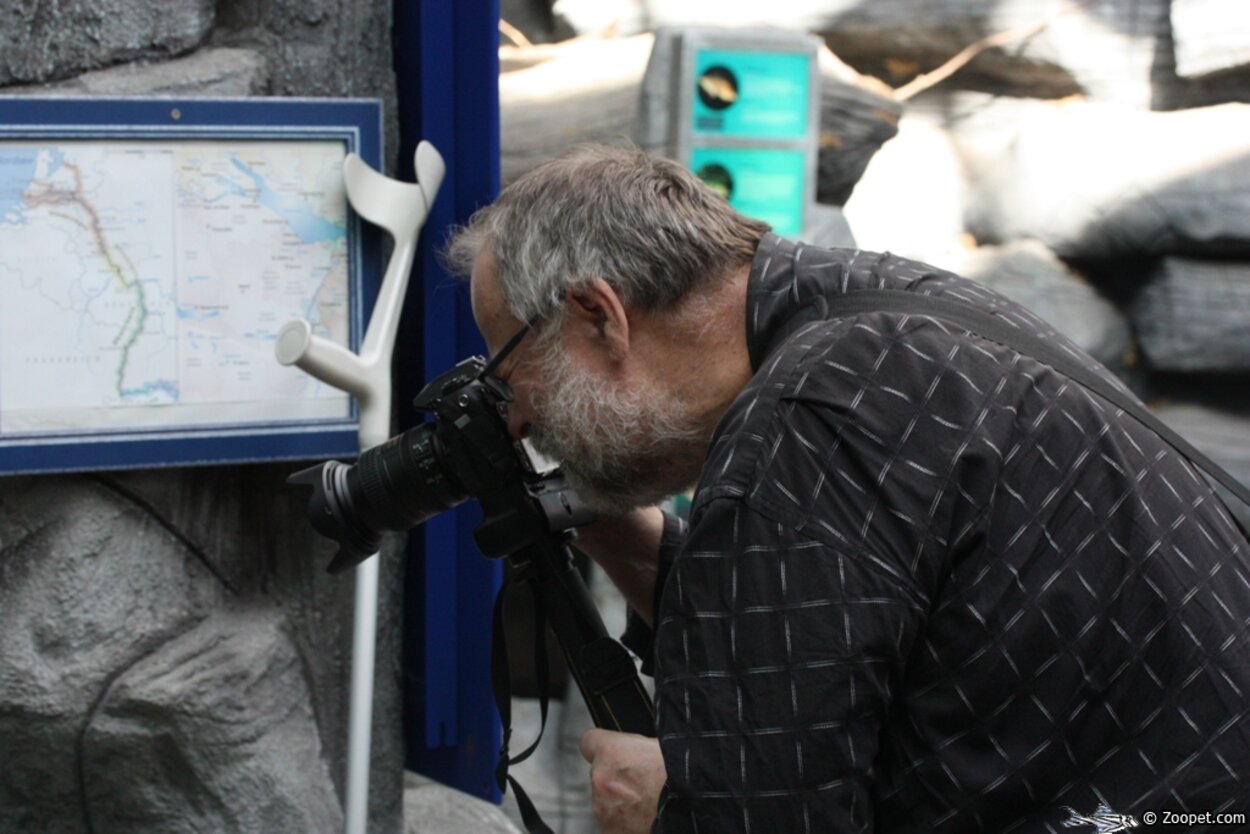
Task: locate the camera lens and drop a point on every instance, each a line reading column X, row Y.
column 394, row 486
column 402, row 482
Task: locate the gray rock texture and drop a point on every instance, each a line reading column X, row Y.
column 431, row 808
column 912, row 196
column 90, row 583
column 1207, row 39
column 335, row 48
column 1030, row 274
column 1101, row 182
column 587, row 92
column 1105, row 50
column 111, row 586
column 214, row 731
column 222, row 73
column 534, row 19
column 631, row 16
column 254, row 533
column 856, row 118
column 45, row 40
column 1193, row 316
column 1111, row 50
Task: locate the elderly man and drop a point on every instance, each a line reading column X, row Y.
column 928, row 583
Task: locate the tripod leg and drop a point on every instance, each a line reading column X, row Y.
column 602, row 668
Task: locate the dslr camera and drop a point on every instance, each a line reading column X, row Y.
column 528, row 517
column 465, row 452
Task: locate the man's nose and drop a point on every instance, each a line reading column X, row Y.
column 518, row 422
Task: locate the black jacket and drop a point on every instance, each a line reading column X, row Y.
column 930, row 584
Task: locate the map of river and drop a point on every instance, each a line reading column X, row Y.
column 144, row 282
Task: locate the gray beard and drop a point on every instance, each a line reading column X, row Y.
column 618, row 449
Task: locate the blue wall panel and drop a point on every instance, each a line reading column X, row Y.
column 446, row 60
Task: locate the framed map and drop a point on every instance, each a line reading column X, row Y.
column 150, row 250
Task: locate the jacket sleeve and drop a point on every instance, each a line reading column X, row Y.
column 639, row 637
column 776, row 656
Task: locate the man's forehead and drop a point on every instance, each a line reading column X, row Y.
column 484, row 284
column 487, row 297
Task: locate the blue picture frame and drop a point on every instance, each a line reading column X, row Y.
column 355, row 122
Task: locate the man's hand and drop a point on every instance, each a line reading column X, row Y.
column 626, row 775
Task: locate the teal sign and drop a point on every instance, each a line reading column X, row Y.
column 758, row 95
column 764, row 183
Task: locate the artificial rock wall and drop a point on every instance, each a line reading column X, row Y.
column 173, row 656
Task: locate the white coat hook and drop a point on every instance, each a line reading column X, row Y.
column 401, row 209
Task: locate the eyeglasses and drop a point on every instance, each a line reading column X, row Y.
column 508, row 347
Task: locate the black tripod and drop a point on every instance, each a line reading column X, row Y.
column 530, row 522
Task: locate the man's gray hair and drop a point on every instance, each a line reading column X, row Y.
column 646, row 225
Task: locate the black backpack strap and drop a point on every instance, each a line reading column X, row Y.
column 502, row 686
column 997, row 329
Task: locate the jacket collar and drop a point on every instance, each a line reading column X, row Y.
column 784, row 293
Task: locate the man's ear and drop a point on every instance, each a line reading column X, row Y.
column 598, row 310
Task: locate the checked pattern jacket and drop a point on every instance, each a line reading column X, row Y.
column 930, row 584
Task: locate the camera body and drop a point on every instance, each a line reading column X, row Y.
column 465, row 452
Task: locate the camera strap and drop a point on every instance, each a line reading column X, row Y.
column 999, row 330
column 501, row 684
